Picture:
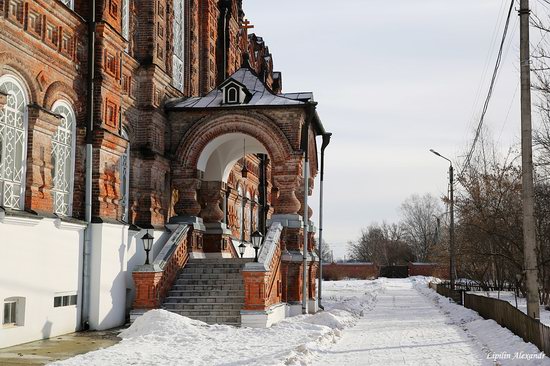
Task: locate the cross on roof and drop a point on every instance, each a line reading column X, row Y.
column 246, row 25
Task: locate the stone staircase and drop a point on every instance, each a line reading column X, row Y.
column 210, row 290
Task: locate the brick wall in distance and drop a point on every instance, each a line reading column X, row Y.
column 339, row 271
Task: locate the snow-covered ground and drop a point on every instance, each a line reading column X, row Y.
column 380, row 322
column 522, row 303
column 498, row 343
column 162, row 338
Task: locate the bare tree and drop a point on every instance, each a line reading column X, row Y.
column 419, row 214
column 381, row 244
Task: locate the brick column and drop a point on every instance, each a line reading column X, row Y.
column 187, row 204
column 287, row 203
column 42, row 126
column 300, row 193
column 212, row 194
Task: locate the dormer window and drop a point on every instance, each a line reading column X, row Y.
column 234, row 92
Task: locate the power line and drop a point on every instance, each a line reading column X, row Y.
column 490, row 92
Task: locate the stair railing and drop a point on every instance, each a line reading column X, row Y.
column 262, row 279
column 153, row 281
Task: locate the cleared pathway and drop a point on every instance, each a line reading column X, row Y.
column 404, row 328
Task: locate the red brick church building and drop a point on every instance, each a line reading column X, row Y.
column 122, row 120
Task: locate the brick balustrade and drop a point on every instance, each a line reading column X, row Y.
column 262, row 279
column 153, row 281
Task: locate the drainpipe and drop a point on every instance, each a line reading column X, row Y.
column 305, row 146
column 86, row 270
column 326, row 141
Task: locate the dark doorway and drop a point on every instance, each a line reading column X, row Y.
column 394, row 271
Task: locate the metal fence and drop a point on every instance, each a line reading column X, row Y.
column 504, row 313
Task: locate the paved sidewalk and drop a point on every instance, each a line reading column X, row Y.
column 404, row 328
column 57, row 348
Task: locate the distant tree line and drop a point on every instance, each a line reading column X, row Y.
column 416, row 237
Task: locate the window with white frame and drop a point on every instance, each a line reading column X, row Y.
column 13, row 142
column 125, row 180
column 178, row 64
column 69, row 3
column 126, row 19
column 64, row 300
column 63, row 159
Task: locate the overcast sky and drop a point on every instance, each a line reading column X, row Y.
column 393, row 79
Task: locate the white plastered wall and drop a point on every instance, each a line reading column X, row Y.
column 115, row 252
column 42, row 259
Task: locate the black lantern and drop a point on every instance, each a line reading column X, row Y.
column 147, row 245
column 257, row 238
column 242, row 248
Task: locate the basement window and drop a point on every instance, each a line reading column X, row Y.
column 64, row 300
column 13, row 312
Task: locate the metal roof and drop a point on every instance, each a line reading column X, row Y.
column 260, row 94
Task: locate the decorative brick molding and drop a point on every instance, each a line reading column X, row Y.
column 262, row 279
column 153, row 281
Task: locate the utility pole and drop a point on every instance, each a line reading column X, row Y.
column 529, row 235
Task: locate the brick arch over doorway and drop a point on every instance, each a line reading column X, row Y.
column 254, row 125
column 286, row 159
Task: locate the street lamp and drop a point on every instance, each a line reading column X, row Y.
column 242, row 248
column 452, row 219
column 147, row 244
column 256, row 242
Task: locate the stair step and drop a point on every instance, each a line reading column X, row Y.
column 210, row 276
column 204, row 299
column 207, row 288
column 228, row 320
column 221, row 260
column 208, row 282
column 214, row 265
column 205, row 293
column 203, row 306
column 211, row 270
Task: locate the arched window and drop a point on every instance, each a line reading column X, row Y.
column 13, row 143
column 124, row 170
column 178, row 65
column 256, row 214
column 239, row 208
column 63, row 159
column 246, row 210
column 232, row 95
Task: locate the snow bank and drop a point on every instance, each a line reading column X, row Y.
column 500, row 344
column 163, row 338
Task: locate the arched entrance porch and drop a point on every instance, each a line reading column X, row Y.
column 212, row 191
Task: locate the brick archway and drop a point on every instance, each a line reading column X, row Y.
column 254, row 125
column 286, row 161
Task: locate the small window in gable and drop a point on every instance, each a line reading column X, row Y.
column 234, row 93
